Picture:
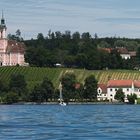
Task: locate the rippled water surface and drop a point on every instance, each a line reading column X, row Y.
column 73, row 122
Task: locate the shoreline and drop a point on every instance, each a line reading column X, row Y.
column 70, row 103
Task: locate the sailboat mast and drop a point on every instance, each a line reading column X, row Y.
column 60, row 90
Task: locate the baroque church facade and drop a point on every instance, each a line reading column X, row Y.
column 11, row 51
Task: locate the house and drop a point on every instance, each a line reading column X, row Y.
column 132, row 53
column 102, row 92
column 128, row 87
column 11, row 51
column 124, row 53
column 108, row 50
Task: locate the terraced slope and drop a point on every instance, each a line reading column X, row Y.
column 35, row 75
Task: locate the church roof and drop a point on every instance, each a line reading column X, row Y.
column 15, row 47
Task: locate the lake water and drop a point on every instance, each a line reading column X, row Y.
column 72, row 122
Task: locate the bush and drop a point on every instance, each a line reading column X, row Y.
column 11, row 98
column 131, row 98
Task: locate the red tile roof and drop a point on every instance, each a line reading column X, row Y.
column 123, row 83
column 119, row 83
column 77, row 86
column 15, row 47
column 137, row 84
column 108, row 50
column 122, row 50
column 103, row 87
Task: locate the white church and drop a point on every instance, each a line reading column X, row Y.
column 11, row 51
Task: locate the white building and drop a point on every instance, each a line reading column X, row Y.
column 102, row 92
column 128, row 87
column 124, row 53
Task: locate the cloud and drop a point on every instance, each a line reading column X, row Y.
column 105, row 17
column 119, row 20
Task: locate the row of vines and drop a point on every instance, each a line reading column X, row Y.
column 34, row 75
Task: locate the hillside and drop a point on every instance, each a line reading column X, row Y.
column 34, row 75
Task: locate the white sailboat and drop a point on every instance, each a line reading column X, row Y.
column 61, row 102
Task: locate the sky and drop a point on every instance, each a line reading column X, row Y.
column 107, row 18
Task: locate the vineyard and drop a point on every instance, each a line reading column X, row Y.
column 34, row 75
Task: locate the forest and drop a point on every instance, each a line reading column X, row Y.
column 75, row 50
column 81, row 51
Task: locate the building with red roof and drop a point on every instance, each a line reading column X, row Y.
column 11, row 51
column 128, row 87
column 109, row 91
column 102, row 92
column 124, row 53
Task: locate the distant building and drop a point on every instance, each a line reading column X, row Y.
column 102, row 92
column 124, row 53
column 11, row 51
column 109, row 91
column 108, row 50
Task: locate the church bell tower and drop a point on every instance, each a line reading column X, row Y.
column 3, row 28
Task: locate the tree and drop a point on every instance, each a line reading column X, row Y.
column 115, row 60
column 138, row 55
column 58, row 35
column 104, row 44
column 68, row 83
column 95, row 36
column 11, row 97
column 18, row 33
column 48, row 88
column 39, row 57
column 120, row 95
column 16, row 36
column 86, row 36
column 40, row 36
column 131, row 98
column 38, row 94
column 3, row 87
column 90, row 88
column 76, row 36
column 81, row 60
column 120, row 43
column 67, row 35
column 69, row 61
column 17, row 83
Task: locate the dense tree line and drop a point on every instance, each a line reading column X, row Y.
column 80, row 50
column 72, row 91
column 17, row 91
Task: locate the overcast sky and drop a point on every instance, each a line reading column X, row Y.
column 104, row 17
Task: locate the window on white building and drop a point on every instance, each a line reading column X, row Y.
column 127, row 89
column 111, row 89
